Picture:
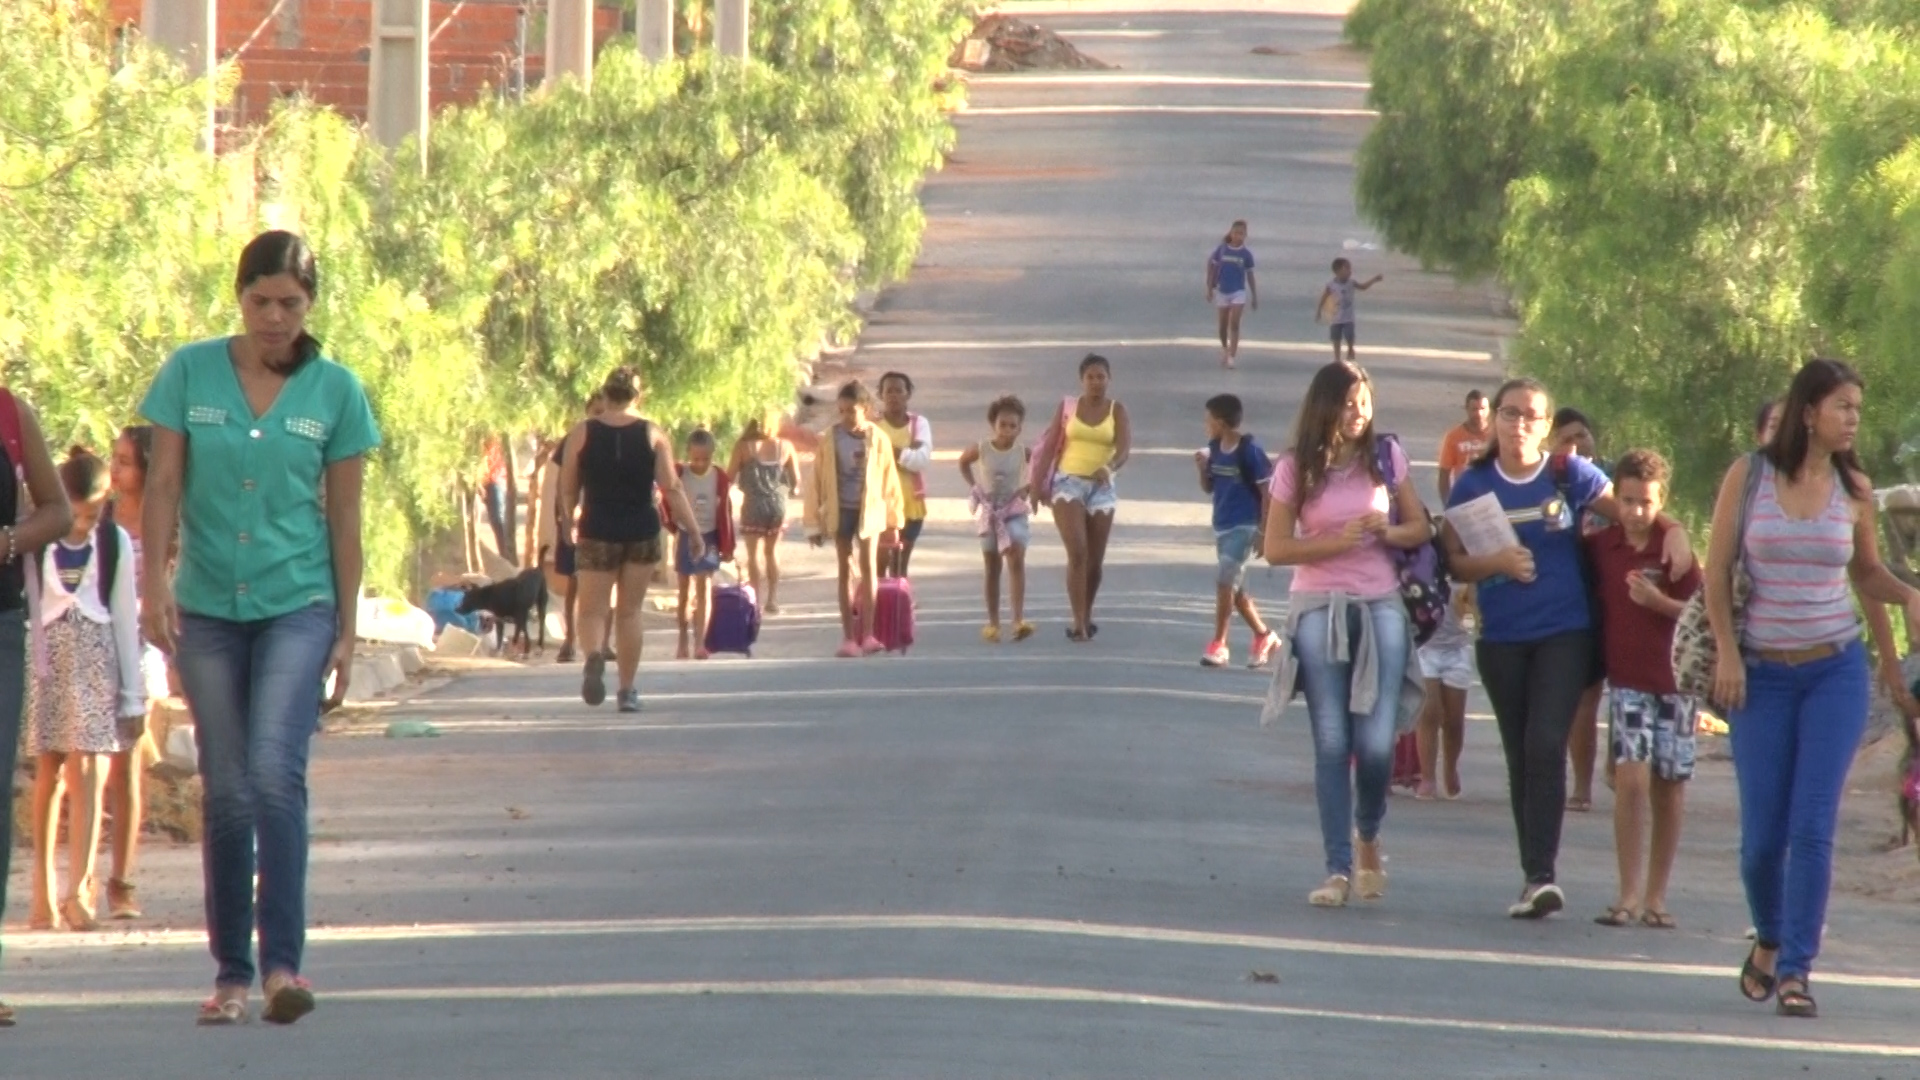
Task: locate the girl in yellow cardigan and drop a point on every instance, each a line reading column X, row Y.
column 853, row 495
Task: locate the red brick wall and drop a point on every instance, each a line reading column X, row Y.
column 320, row 48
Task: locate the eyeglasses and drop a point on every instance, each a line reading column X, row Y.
column 1517, row 416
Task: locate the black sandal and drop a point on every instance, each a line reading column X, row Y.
column 1079, row 637
column 1752, row 978
column 1795, row 1000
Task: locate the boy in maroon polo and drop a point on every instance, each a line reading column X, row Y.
column 1650, row 723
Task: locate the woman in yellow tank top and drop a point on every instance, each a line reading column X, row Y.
column 1093, row 439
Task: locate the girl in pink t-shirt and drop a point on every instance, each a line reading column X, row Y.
column 1348, row 638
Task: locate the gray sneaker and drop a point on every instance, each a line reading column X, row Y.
column 630, row 700
column 1538, row 902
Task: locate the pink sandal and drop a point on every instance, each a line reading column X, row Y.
column 289, row 997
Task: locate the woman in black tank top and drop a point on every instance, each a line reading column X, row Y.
column 33, row 472
column 611, row 467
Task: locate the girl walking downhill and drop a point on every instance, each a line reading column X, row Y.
column 1002, row 502
column 853, row 497
column 259, row 458
column 1334, row 498
column 126, row 797
column 28, row 478
column 768, row 471
column 1076, row 472
column 1791, row 667
column 93, row 703
column 911, row 440
column 1231, row 288
column 1537, row 624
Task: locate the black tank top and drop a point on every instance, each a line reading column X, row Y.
column 616, row 483
column 13, row 580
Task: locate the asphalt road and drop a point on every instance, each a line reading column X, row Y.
column 1027, row 860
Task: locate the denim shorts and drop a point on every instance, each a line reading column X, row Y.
column 1448, row 665
column 1341, row 331
column 1098, row 499
column 1235, row 548
column 707, row 563
column 1656, row 728
column 910, row 533
column 1016, row 528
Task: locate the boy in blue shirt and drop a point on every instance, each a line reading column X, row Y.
column 1235, row 471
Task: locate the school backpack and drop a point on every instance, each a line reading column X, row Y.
column 1422, row 571
column 734, row 624
column 892, row 613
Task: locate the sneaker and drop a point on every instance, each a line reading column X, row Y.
column 1263, row 648
column 1538, row 902
column 848, row 649
column 593, row 681
column 872, row 645
column 122, row 903
column 630, row 700
column 1216, row 655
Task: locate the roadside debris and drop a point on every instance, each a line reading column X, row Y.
column 1001, row 43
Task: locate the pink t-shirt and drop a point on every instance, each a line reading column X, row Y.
column 1366, row 570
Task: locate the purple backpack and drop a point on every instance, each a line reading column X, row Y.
column 1423, row 570
column 734, row 624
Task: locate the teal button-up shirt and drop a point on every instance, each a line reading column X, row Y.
column 253, row 532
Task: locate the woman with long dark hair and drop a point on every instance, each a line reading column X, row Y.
column 1792, row 670
column 1536, row 650
column 259, row 458
column 1334, row 498
column 28, row 477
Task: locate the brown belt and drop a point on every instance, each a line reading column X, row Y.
column 1796, row 657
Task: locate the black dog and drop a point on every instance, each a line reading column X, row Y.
column 1910, row 783
column 512, row 601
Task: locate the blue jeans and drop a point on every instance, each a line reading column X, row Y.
column 255, row 689
column 1348, row 745
column 1793, row 741
column 13, row 700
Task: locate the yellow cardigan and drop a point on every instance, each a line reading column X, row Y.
column 884, row 505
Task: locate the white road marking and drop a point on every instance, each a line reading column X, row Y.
column 988, row 924
column 761, row 697
column 1125, row 79
column 1183, row 452
column 963, row 990
column 1246, row 345
column 1195, row 110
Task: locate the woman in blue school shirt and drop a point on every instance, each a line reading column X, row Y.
column 249, row 432
column 1537, row 626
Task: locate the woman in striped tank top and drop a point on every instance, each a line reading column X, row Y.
column 1793, row 672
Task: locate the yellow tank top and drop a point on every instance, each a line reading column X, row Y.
column 1089, row 446
column 911, row 484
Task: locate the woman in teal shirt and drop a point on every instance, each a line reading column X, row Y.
column 259, row 456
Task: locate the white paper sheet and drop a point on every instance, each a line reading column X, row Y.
column 1482, row 526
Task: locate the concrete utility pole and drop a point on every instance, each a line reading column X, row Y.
column 730, row 28
column 189, row 29
column 570, row 40
column 656, row 30
column 397, row 78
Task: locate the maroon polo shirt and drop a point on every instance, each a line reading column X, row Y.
column 1638, row 641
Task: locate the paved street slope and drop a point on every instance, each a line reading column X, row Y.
column 1022, row 861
